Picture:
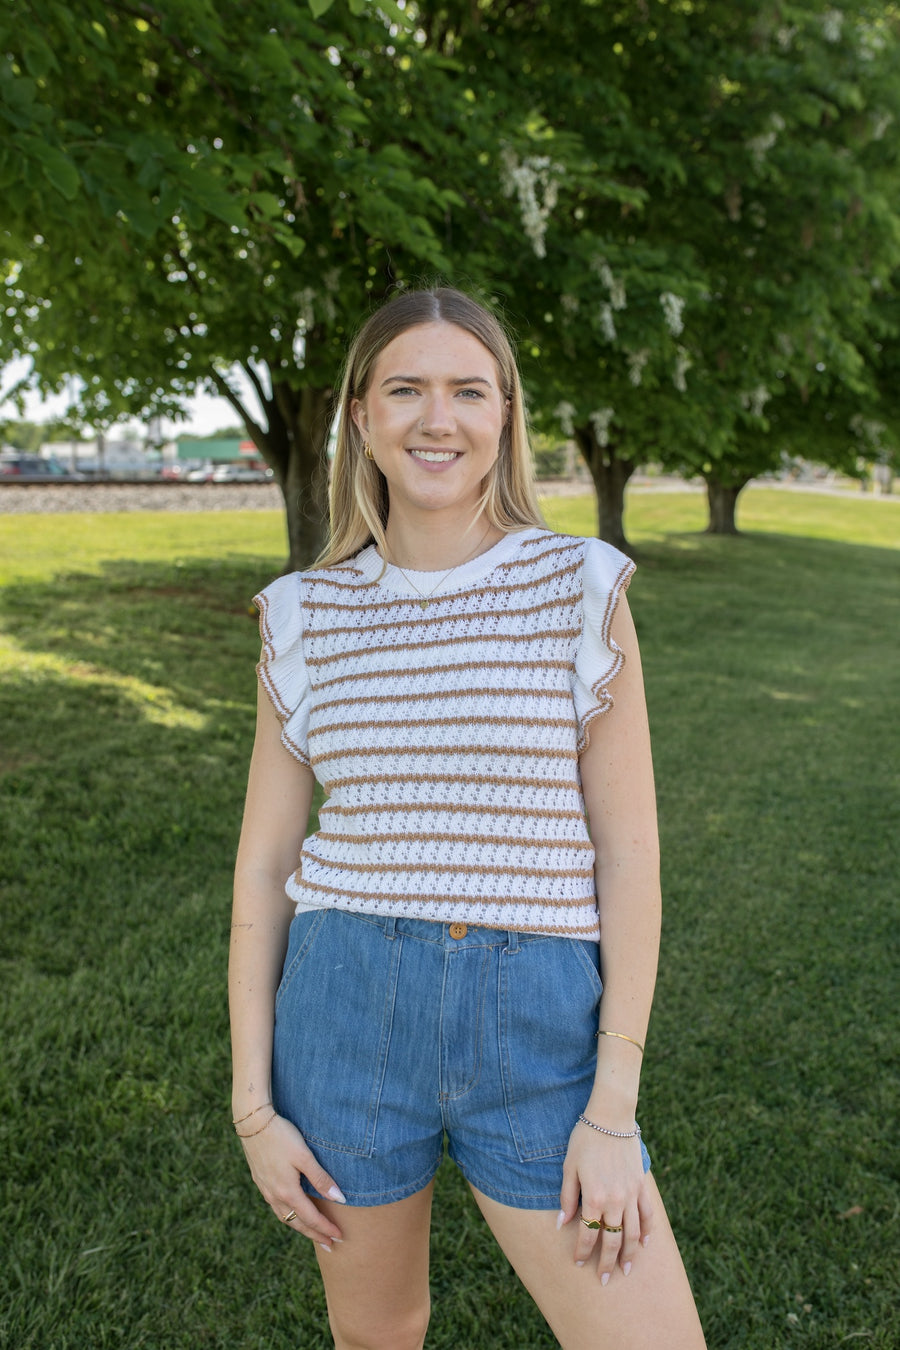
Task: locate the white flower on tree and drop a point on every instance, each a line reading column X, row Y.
column 607, row 323
column 600, row 421
column 754, row 400
column 759, row 146
column 636, row 362
column 614, row 285
column 683, row 364
column 565, row 412
column 535, row 182
column 672, row 308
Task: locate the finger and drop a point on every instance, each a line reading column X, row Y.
column 306, row 1218
column 321, row 1181
column 631, row 1239
column 609, row 1246
column 646, row 1214
column 587, row 1237
column 569, row 1196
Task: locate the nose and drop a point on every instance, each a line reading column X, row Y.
column 437, row 417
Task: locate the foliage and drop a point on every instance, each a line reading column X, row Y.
column 240, row 171
column 689, row 212
column 748, row 257
column 776, row 768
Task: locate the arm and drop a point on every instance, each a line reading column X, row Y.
column 279, row 795
column 617, row 780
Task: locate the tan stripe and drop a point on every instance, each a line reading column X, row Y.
column 600, row 690
column 442, row 694
column 388, row 601
column 325, row 576
column 478, row 869
column 494, row 751
column 404, row 722
column 400, row 908
column 468, row 638
column 467, row 779
column 404, row 672
column 512, row 840
column 563, row 602
column 454, row 808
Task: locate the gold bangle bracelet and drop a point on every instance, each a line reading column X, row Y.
column 620, row 1036
column 240, row 1120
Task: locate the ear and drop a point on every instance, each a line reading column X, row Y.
column 358, row 414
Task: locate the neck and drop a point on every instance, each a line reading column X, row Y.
column 438, row 545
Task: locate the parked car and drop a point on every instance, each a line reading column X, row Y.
column 29, row 468
column 239, row 473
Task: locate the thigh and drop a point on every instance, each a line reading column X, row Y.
column 651, row 1307
column 376, row 1277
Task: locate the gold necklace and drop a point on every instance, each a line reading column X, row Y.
column 425, row 596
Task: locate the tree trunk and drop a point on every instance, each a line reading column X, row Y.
column 610, row 473
column 722, row 500
column 304, row 483
column 293, row 444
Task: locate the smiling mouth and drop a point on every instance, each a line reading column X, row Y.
column 436, row 456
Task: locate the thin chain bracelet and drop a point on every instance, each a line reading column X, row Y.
column 254, row 1133
column 616, row 1134
column 240, row 1120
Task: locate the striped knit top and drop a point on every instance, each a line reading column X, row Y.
column 447, row 735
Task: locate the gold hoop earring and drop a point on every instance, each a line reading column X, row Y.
column 367, row 449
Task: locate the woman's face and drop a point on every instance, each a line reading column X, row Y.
column 433, row 414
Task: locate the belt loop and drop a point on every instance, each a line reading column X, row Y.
column 390, row 927
column 512, row 945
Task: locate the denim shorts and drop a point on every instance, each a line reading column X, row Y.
column 391, row 1034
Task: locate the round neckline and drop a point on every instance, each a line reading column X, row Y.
column 391, row 578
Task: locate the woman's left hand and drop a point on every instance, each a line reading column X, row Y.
column 606, row 1175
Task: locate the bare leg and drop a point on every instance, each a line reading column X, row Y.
column 651, row 1307
column 376, row 1279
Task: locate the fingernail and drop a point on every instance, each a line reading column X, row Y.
column 579, row 1263
column 626, row 1269
column 325, row 1247
column 604, row 1278
column 560, row 1219
column 645, row 1239
column 335, row 1194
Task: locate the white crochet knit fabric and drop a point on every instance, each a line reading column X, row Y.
column 447, row 736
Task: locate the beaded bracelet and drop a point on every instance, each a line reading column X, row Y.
column 616, row 1134
column 620, row 1035
column 240, row 1120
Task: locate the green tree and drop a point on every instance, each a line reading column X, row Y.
column 733, row 220
column 234, row 191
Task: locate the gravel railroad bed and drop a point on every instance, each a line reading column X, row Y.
column 40, row 498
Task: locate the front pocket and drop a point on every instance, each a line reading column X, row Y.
column 550, row 991
column 332, row 1033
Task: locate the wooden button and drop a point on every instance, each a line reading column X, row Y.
column 458, row 930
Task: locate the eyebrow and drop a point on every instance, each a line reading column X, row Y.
column 417, row 379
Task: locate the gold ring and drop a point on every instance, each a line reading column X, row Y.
column 600, row 1224
column 592, row 1223
column 613, row 1228
column 286, row 1218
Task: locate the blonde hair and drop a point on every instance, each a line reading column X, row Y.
column 358, row 496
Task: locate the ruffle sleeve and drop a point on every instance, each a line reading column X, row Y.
column 598, row 660
column 282, row 667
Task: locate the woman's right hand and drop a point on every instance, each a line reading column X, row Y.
column 277, row 1156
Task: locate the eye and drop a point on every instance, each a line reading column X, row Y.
column 472, row 393
column 403, row 390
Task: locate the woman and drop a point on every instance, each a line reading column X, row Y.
column 444, row 672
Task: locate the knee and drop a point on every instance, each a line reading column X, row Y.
column 405, row 1331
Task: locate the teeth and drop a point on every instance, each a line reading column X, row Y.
column 435, row 456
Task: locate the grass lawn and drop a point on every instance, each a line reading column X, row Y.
column 770, row 1091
